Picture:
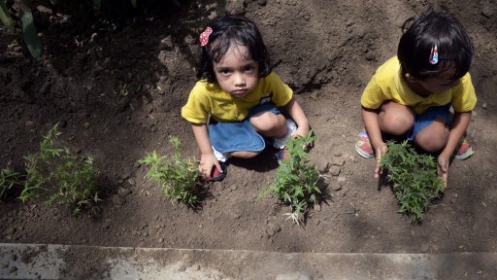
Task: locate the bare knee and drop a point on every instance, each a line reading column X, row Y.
column 433, row 138
column 269, row 124
column 396, row 124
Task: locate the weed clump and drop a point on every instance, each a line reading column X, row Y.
column 62, row 176
column 414, row 178
column 178, row 178
column 296, row 182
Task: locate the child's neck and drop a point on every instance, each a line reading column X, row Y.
column 417, row 88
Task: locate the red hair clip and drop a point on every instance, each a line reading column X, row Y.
column 204, row 36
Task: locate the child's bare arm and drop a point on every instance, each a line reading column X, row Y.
column 207, row 158
column 459, row 125
column 294, row 110
column 370, row 118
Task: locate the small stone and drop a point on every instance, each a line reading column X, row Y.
column 118, row 200
column 86, row 125
column 484, row 106
column 212, row 15
column 488, row 11
column 370, row 56
column 13, row 269
column 338, row 161
column 233, row 187
column 425, row 248
column 317, row 207
column 336, row 186
column 123, row 191
column 342, row 179
column 273, row 229
column 335, row 170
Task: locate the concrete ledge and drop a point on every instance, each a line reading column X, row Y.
column 33, row 261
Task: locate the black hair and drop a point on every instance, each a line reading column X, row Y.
column 226, row 31
column 434, row 28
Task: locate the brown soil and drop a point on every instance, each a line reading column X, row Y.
column 325, row 50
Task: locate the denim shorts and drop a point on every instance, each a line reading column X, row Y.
column 227, row 137
column 426, row 118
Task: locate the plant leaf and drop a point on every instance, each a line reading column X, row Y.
column 4, row 15
column 30, row 34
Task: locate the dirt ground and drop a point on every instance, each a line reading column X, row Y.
column 326, row 50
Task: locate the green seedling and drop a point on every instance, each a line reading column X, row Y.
column 296, row 181
column 8, row 179
column 127, row 89
column 414, row 178
column 61, row 176
column 178, row 178
column 23, row 16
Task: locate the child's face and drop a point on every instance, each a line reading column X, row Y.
column 236, row 72
column 439, row 83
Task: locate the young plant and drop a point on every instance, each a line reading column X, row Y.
column 61, row 176
column 24, row 16
column 178, row 178
column 414, row 178
column 8, row 179
column 296, row 182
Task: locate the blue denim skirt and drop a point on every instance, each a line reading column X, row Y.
column 227, row 137
column 431, row 114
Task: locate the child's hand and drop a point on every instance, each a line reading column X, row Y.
column 206, row 165
column 380, row 151
column 443, row 167
column 302, row 132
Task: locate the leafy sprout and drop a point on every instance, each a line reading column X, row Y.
column 296, row 181
column 414, row 178
column 61, row 176
column 178, row 178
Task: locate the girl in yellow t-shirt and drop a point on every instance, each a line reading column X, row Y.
column 238, row 104
column 410, row 95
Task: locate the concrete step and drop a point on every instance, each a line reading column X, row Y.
column 34, row 261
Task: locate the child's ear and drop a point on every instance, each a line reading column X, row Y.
column 410, row 78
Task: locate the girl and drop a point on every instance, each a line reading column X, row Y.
column 411, row 94
column 238, row 102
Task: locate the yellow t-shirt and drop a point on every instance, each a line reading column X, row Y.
column 208, row 98
column 387, row 83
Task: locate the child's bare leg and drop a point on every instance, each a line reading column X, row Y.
column 395, row 119
column 433, row 137
column 269, row 124
column 244, row 154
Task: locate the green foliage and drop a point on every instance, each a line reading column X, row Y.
column 8, row 179
column 20, row 13
column 296, row 182
column 127, row 89
column 26, row 21
column 178, row 178
column 414, row 178
column 60, row 175
column 4, row 14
